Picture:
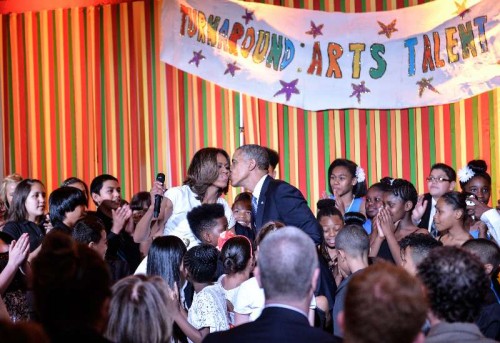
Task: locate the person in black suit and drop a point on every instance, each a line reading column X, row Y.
column 442, row 179
column 288, row 271
column 272, row 199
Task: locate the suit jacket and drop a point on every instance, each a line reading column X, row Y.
column 278, row 200
column 275, row 324
column 455, row 332
column 424, row 221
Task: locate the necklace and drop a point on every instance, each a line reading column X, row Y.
column 349, row 208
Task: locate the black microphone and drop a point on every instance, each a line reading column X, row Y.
column 161, row 178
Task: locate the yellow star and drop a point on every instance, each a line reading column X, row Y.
column 461, row 8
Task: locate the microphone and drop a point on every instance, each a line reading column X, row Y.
column 161, row 178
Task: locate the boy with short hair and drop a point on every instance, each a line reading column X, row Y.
column 207, row 222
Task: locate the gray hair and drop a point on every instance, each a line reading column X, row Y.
column 353, row 239
column 257, row 153
column 139, row 299
column 287, row 260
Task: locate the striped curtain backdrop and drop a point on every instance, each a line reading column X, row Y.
column 83, row 93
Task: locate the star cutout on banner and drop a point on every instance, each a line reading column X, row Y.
column 462, row 9
column 248, row 16
column 197, row 57
column 425, row 83
column 231, row 68
column 358, row 90
column 315, row 30
column 288, row 88
column 387, row 29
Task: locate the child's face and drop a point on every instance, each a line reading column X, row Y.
column 110, row 191
column 102, row 246
column 373, row 202
column 72, row 217
column 212, row 235
column 35, row 203
column 331, row 226
column 242, row 212
column 341, row 181
column 437, row 188
column 407, row 261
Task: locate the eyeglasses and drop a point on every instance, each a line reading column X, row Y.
column 437, row 179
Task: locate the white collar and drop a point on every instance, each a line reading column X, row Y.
column 258, row 187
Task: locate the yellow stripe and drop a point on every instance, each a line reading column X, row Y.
column 378, row 147
column 420, row 149
column 357, row 151
column 338, row 144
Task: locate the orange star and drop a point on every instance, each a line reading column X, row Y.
column 387, row 29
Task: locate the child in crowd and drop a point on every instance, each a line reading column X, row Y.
column 91, row 232
column 442, row 179
column 208, row 222
column 67, row 205
column 8, row 187
column 414, row 248
column 331, row 220
column 77, row 183
column 450, row 217
column 374, row 201
column 208, row 312
column 347, row 185
column 393, row 222
column 242, row 213
column 26, row 213
column 237, row 258
column 352, row 245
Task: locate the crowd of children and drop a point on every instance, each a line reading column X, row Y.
column 194, row 262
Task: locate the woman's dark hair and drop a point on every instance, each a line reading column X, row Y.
column 17, row 210
column 201, row 262
column 401, row 188
column 64, row 200
column 165, row 258
column 326, row 208
column 457, row 201
column 140, row 201
column 266, row 229
column 356, row 218
column 235, row 254
column 359, row 189
column 479, row 167
column 203, row 171
column 73, row 180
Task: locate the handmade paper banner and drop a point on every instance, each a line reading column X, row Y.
column 430, row 54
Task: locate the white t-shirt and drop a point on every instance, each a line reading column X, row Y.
column 230, row 296
column 184, row 200
column 250, row 299
column 209, row 309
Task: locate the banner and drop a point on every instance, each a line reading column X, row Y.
column 425, row 55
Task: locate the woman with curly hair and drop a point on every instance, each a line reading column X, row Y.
column 207, row 179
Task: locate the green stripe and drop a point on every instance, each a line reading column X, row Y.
column 432, row 136
column 453, row 136
column 87, row 86
column 347, row 132
column 43, row 140
column 55, row 70
column 153, row 86
column 412, row 146
column 342, row 6
column 237, row 109
column 475, row 125
column 308, row 156
column 326, row 144
column 268, row 123
column 119, row 72
column 286, row 153
column 493, row 142
column 369, row 148
column 187, row 99
column 103, row 94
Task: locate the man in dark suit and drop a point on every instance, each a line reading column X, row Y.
column 272, row 199
column 288, row 271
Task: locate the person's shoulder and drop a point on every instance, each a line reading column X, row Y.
column 13, row 229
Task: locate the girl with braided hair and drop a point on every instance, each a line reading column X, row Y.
column 393, row 222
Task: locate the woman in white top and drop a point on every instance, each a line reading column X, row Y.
column 237, row 258
column 207, row 179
